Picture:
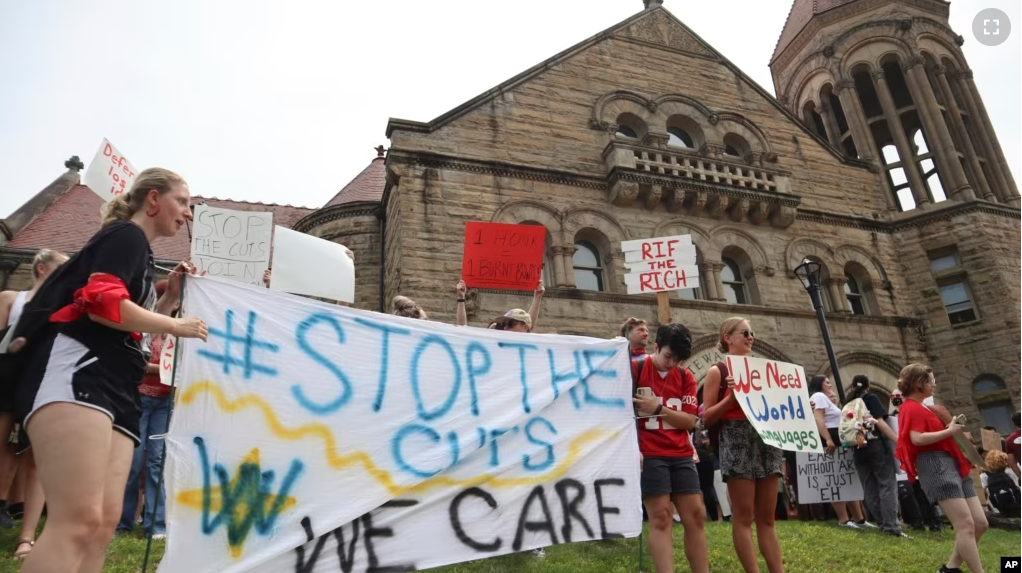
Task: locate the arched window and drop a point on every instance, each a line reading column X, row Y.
column 679, row 137
column 854, row 295
column 626, row 131
column 994, row 402
column 630, row 125
column 733, row 282
column 736, row 146
column 587, row 266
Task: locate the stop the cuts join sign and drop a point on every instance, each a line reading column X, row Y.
column 660, row 264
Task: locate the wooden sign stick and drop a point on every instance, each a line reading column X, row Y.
column 663, row 307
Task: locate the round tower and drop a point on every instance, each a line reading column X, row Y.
column 886, row 81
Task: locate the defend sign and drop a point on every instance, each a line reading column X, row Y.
column 660, row 264
column 110, row 174
column 775, row 399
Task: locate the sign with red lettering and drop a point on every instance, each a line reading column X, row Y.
column 499, row 255
column 660, row 264
column 775, row 398
column 110, row 174
column 167, row 360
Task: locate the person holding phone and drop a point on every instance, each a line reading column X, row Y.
column 927, row 451
column 665, row 399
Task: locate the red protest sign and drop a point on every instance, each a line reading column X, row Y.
column 499, row 255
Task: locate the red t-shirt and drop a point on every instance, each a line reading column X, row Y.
column 151, row 385
column 677, row 391
column 734, row 412
column 914, row 416
column 1013, row 446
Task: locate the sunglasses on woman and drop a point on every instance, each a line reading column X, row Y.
column 747, row 333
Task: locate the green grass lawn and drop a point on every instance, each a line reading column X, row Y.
column 807, row 546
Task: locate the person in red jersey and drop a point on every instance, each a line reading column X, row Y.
column 667, row 409
column 637, row 333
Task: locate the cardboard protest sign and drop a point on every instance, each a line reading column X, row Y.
column 775, row 399
column 991, row 439
column 303, row 264
column 231, row 244
column 110, row 173
column 313, row 437
column 499, row 255
column 660, row 264
column 826, row 478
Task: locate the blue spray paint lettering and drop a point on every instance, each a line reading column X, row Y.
column 494, row 450
column 410, row 430
column 522, row 373
column 301, row 335
column 247, row 500
column 386, row 331
column 783, row 412
column 556, row 378
column 475, row 348
column 530, row 434
column 416, row 389
column 249, row 342
column 593, row 372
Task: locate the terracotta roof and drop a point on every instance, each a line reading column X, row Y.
column 75, row 216
column 366, row 186
column 802, row 11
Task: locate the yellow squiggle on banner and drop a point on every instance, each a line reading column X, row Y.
column 338, row 461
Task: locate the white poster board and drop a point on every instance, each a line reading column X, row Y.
column 167, row 360
column 827, row 478
column 312, row 437
column 110, row 173
column 660, row 264
column 303, row 264
column 231, row 244
column 775, row 399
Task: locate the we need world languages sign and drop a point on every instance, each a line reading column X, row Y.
column 312, row 437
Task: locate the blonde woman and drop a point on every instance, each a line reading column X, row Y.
column 79, row 395
column 11, row 304
column 927, row 451
column 748, row 466
column 408, row 308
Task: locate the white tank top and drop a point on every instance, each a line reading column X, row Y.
column 19, row 303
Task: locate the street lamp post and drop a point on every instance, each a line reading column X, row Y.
column 809, row 273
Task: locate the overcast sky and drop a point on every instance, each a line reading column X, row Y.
column 283, row 102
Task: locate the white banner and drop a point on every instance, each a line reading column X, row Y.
column 110, row 173
column 167, row 360
column 775, row 399
column 231, row 244
column 312, row 437
column 303, row 264
column 825, row 478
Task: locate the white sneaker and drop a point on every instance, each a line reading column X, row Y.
column 867, row 525
column 539, row 553
column 677, row 518
column 159, row 536
column 850, row 524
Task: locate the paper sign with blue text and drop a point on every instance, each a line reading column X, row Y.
column 775, row 398
column 312, row 437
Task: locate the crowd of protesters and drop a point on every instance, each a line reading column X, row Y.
column 82, row 359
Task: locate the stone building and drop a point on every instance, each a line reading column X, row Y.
column 876, row 159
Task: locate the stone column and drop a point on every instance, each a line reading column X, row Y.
column 944, row 153
column 983, row 187
column 908, row 160
column 859, row 128
column 709, row 283
column 837, row 294
column 983, row 120
column 718, row 285
column 567, row 252
column 856, row 117
column 999, row 185
column 559, row 278
column 830, row 125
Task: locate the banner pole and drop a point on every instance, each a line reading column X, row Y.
column 663, row 307
column 163, row 457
